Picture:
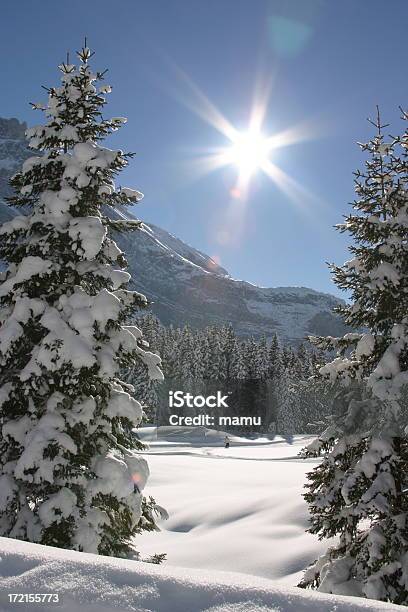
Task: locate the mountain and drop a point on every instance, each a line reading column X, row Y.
column 187, row 286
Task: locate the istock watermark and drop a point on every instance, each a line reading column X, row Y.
column 179, row 399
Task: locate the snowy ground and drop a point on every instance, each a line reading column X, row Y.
column 92, row 583
column 238, row 509
column 235, row 539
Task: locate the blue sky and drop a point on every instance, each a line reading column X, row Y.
column 328, row 63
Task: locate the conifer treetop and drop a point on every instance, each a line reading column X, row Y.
column 376, row 276
column 70, row 472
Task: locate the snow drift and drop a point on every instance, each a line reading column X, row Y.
column 92, row 583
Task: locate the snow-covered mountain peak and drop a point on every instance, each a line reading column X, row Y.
column 183, row 250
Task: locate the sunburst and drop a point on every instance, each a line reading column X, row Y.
column 250, row 150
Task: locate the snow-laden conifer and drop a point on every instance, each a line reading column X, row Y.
column 358, row 492
column 71, row 474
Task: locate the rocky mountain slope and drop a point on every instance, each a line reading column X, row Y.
column 187, row 286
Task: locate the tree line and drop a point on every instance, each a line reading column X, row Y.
column 261, row 377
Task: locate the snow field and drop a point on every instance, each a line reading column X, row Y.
column 238, row 509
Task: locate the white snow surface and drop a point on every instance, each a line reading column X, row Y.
column 239, row 509
column 235, row 538
column 93, row 583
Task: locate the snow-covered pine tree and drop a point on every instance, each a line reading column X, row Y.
column 274, row 369
column 305, row 361
column 251, row 358
column 146, row 389
column 71, row 475
column 286, row 417
column 274, row 358
column 171, row 355
column 190, row 359
column 190, row 362
column 152, row 329
column 302, row 401
column 262, row 358
column 358, row 492
column 215, row 365
column 228, row 347
column 238, row 370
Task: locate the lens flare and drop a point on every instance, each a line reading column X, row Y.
column 137, row 478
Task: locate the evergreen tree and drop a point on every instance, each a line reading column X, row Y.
column 286, row 406
column 358, row 491
column 229, row 345
column 152, row 329
column 305, row 362
column 274, row 369
column 191, row 371
column 215, row 363
column 262, row 358
column 306, row 406
column 70, row 473
column 274, row 358
column 251, row 358
column 238, row 365
column 147, row 389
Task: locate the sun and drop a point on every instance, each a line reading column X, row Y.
column 249, row 152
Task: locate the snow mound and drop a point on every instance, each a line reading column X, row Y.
column 93, row 583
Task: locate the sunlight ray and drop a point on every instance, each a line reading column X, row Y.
column 297, row 193
column 196, row 101
column 302, row 132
